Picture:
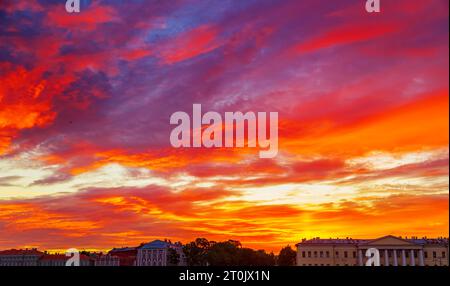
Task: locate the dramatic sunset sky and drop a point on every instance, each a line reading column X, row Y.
column 85, row 102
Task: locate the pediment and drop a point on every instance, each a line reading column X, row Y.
column 389, row 240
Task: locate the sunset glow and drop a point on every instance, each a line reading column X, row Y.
column 85, row 103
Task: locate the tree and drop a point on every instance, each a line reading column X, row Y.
column 287, row 256
column 264, row 259
column 231, row 253
column 250, row 257
column 224, row 253
column 202, row 252
column 196, row 252
column 173, row 258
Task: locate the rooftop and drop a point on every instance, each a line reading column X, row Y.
column 32, row 251
column 123, row 249
column 415, row 240
column 156, row 244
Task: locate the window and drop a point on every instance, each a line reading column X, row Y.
column 354, row 254
column 434, row 254
column 443, row 254
column 309, row 253
column 315, row 254
column 345, row 254
column 303, row 254
column 425, row 254
column 337, row 253
column 327, row 254
column 321, row 254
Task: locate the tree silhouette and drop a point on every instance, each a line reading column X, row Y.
column 225, row 253
column 196, row 252
column 173, row 258
column 287, row 256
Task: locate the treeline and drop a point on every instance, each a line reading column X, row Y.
column 202, row 252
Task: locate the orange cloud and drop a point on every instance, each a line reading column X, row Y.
column 25, row 102
column 84, row 157
column 422, row 124
column 111, row 217
column 372, row 217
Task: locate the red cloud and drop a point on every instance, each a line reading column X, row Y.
column 13, row 5
column 190, row 44
column 347, row 34
column 25, row 102
column 86, row 21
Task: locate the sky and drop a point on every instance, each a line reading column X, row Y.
column 85, row 103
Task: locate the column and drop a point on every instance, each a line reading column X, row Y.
column 421, row 262
column 360, row 259
column 386, row 258
column 413, row 262
column 395, row 257
column 403, row 257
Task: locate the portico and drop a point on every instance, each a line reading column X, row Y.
column 393, row 251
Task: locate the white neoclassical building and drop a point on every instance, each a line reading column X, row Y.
column 155, row 253
column 393, row 251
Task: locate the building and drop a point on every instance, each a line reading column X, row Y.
column 107, row 260
column 34, row 257
column 126, row 255
column 156, row 253
column 394, row 251
column 53, row 260
column 20, row 257
column 61, row 259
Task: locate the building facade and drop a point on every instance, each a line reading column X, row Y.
column 393, row 251
column 53, row 260
column 107, row 260
column 126, row 255
column 156, row 253
column 20, row 257
column 34, row 257
column 61, row 259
